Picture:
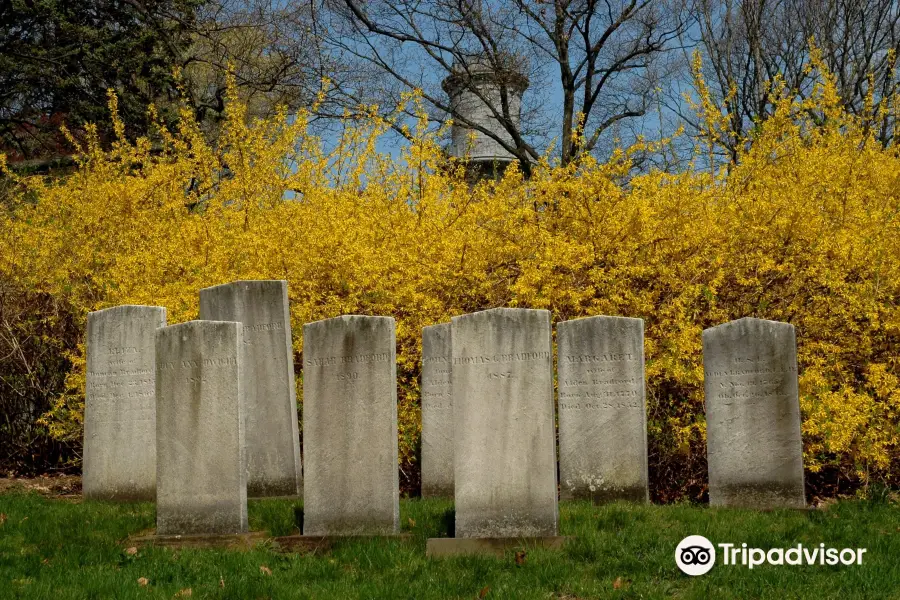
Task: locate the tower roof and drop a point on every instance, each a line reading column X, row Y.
column 501, row 69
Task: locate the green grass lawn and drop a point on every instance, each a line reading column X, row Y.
column 55, row 548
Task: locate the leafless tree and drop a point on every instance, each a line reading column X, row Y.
column 603, row 56
column 270, row 46
column 747, row 43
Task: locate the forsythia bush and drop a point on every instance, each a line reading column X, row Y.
column 804, row 228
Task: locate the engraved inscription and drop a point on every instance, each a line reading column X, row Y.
column 331, row 361
column 122, row 350
column 435, row 389
column 749, row 379
column 433, row 404
column 440, row 377
column 278, row 326
column 197, row 375
column 499, row 374
column 500, row 358
column 589, row 387
column 258, row 333
column 435, row 359
column 600, row 358
column 597, row 405
column 194, row 364
column 121, row 388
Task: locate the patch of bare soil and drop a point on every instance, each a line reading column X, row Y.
column 54, row 486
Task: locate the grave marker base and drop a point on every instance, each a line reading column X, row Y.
column 247, row 541
column 444, row 547
column 302, row 543
column 236, row 541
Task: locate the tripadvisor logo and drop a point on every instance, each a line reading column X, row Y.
column 696, row 555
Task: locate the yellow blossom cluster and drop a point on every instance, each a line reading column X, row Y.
column 803, row 228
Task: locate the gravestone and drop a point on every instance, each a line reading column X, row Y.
column 753, row 439
column 120, row 403
column 351, row 484
column 503, row 423
column 270, row 419
column 602, row 415
column 201, row 469
column 437, row 413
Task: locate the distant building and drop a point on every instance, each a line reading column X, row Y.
column 487, row 158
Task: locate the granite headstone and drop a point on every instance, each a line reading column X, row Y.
column 351, row 480
column 504, row 428
column 754, row 448
column 201, row 469
column 437, row 413
column 120, row 403
column 602, row 415
column 271, row 427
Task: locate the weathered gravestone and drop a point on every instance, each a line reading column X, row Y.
column 602, row 416
column 270, row 419
column 503, row 423
column 351, row 484
column 437, row 413
column 753, row 440
column 120, row 403
column 201, row 469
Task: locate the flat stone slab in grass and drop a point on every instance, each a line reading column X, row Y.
column 753, row 442
column 120, row 403
column 248, row 541
column 437, row 413
column 306, row 543
column 602, row 414
column 273, row 441
column 201, row 466
column 447, row 547
column 237, row 541
column 503, row 423
column 351, row 484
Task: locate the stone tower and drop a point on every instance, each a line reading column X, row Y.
column 487, row 158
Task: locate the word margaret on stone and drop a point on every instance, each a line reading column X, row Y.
column 613, row 357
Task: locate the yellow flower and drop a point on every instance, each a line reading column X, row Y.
column 804, row 228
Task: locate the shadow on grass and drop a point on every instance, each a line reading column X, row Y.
column 298, row 517
column 448, row 523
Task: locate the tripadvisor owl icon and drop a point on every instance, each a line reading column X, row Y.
column 695, row 555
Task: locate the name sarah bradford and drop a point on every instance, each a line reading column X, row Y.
column 347, row 360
